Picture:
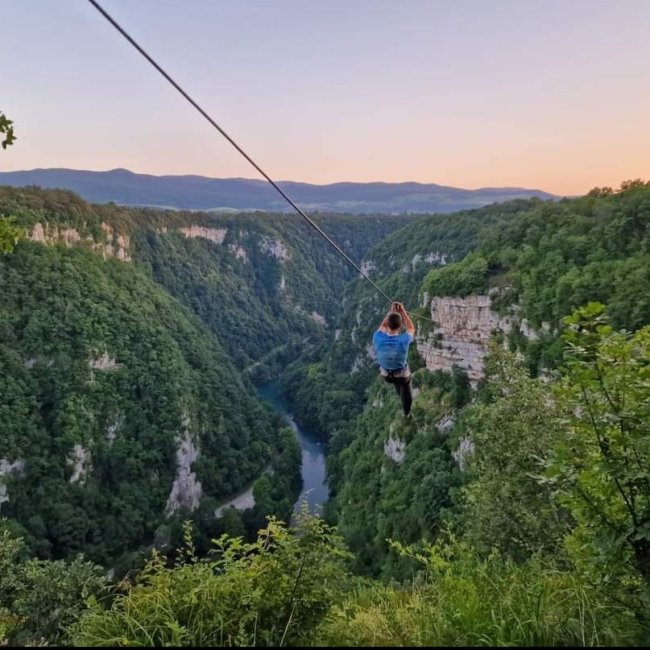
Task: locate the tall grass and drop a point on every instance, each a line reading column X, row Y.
column 292, row 589
column 469, row 602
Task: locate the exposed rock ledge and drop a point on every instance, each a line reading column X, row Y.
column 238, row 252
column 465, row 449
column 80, row 461
column 216, row 235
column 367, row 266
column 7, row 469
column 435, row 258
column 116, row 245
column 186, row 490
column 318, row 318
column 274, row 248
column 104, row 362
column 395, row 450
column 462, row 329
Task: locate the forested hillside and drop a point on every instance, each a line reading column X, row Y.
column 104, row 379
column 511, row 509
column 538, row 261
column 269, row 287
column 260, row 281
column 124, row 334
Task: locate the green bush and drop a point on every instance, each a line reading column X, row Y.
column 272, row 592
column 468, row 276
column 39, row 600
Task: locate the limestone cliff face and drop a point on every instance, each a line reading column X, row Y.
column 216, row 235
column 8, row 469
column 81, row 462
column 462, row 329
column 275, row 248
column 318, row 318
column 116, row 245
column 187, row 490
column 238, row 252
column 395, row 449
column 104, row 362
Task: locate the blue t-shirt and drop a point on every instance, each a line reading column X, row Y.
column 392, row 350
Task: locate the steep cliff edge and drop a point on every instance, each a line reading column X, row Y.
column 462, row 328
column 111, row 244
column 461, row 331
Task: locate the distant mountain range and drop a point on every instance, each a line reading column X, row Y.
column 202, row 193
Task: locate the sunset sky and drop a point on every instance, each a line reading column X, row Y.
column 548, row 94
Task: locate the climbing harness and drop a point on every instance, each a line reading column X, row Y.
column 402, row 373
column 277, row 188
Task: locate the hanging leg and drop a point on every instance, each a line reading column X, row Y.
column 406, row 394
column 395, row 382
column 403, row 389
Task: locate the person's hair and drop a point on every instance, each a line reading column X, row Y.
column 394, row 321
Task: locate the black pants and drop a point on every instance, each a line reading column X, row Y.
column 404, row 390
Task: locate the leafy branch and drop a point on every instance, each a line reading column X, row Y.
column 6, row 127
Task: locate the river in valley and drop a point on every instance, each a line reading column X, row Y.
column 314, row 490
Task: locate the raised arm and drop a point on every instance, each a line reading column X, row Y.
column 383, row 326
column 408, row 323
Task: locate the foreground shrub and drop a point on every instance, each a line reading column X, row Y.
column 40, row 600
column 272, row 592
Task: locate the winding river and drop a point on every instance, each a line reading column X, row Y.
column 314, row 490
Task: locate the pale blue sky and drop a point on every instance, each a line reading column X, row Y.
column 539, row 93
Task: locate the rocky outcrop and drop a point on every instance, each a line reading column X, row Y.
column 462, row 329
column 465, row 449
column 43, row 235
column 111, row 429
column 116, row 245
column 8, row 469
column 80, row 461
column 318, row 318
column 216, row 235
column 395, row 450
column 238, row 252
column 446, row 424
column 353, row 332
column 435, row 258
column 104, row 362
column 186, row 490
column 274, row 248
column 533, row 334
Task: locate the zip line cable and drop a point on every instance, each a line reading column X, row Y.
column 278, row 189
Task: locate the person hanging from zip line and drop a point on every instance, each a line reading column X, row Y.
column 392, row 347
